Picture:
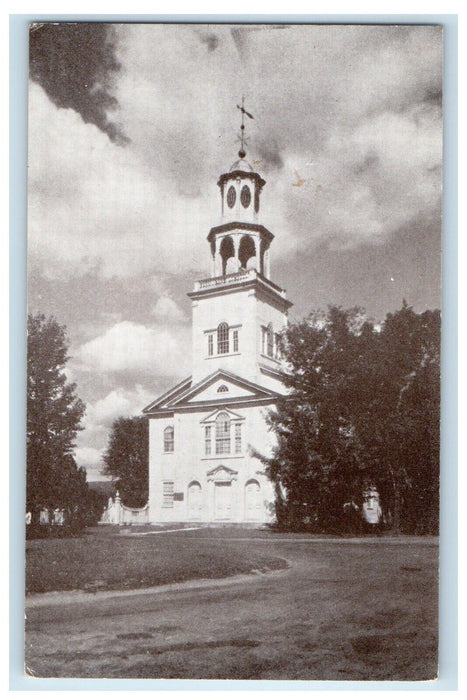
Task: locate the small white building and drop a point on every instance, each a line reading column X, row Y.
column 203, row 431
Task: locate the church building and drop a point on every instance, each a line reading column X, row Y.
column 203, row 432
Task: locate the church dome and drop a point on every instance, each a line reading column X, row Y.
column 242, row 164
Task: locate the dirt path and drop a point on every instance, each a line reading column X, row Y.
column 344, row 610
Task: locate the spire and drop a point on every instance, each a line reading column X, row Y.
column 242, row 138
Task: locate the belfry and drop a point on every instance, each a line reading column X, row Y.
column 204, row 432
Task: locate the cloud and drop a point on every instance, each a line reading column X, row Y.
column 351, row 109
column 76, row 66
column 166, row 309
column 94, row 206
column 88, row 457
column 128, row 346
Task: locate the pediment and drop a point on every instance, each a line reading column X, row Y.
column 222, row 387
column 211, row 418
column 206, row 393
column 222, row 473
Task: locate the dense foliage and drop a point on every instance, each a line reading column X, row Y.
column 54, row 412
column 362, row 409
column 127, row 459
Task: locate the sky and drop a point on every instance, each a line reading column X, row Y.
column 130, row 127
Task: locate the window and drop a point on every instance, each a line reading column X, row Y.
column 210, row 345
column 222, row 389
column 245, row 196
column 235, row 341
column 207, row 439
column 169, row 439
column 238, row 438
column 263, row 340
column 231, row 196
column 222, row 434
column 270, row 341
column 222, row 339
column 167, row 494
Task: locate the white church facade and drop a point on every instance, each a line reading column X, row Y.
column 203, row 432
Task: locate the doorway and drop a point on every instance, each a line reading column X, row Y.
column 222, row 500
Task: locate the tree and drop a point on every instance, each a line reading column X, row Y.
column 398, row 423
column 127, row 459
column 317, row 465
column 362, row 408
column 54, row 413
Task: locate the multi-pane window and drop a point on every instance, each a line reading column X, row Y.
column 222, row 389
column 207, row 439
column 210, row 345
column 270, row 341
column 167, row 494
column 169, row 439
column 222, row 339
column 235, row 341
column 222, row 434
column 238, row 438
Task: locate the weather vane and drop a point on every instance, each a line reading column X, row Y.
column 242, row 137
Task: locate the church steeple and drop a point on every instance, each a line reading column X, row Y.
column 238, row 312
column 240, row 242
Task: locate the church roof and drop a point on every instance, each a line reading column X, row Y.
column 186, row 395
column 242, row 164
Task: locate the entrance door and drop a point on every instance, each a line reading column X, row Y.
column 222, row 501
column 252, row 500
column 194, row 501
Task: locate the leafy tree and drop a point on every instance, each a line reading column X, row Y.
column 363, row 407
column 317, row 463
column 127, row 459
column 54, row 413
column 398, row 423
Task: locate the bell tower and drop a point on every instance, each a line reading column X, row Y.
column 238, row 312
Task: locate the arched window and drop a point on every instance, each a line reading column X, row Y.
column 222, row 389
column 222, row 339
column 222, row 434
column 169, row 439
column 270, row 341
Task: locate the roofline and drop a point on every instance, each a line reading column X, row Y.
column 234, row 174
column 260, row 282
column 210, row 406
column 164, row 396
column 229, row 375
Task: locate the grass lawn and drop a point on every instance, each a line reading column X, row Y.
column 104, row 559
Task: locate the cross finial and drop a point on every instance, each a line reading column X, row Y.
column 243, row 139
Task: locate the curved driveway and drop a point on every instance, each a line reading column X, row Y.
column 360, row 609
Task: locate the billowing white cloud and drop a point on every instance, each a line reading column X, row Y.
column 98, row 419
column 88, row 457
column 128, row 346
column 93, row 203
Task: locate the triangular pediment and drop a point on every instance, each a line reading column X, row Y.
column 222, row 409
column 220, row 388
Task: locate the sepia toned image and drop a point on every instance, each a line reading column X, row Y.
column 233, row 353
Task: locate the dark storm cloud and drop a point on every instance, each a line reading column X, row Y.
column 75, row 64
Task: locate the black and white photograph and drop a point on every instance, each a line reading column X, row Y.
column 233, row 351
